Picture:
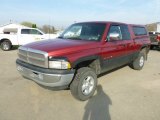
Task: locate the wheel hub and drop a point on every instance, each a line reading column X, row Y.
column 141, row 61
column 87, row 85
column 5, row 47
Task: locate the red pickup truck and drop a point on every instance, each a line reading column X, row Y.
column 155, row 39
column 81, row 52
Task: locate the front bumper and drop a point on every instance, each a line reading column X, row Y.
column 44, row 76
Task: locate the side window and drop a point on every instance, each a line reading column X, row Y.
column 125, row 32
column 35, row 32
column 139, row 30
column 25, row 31
column 115, row 29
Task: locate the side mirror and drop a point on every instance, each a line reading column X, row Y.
column 114, row 36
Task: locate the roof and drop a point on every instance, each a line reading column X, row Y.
column 105, row 22
column 101, row 22
column 13, row 25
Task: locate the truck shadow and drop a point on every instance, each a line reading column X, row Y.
column 97, row 108
column 54, row 88
column 15, row 48
column 156, row 49
column 12, row 49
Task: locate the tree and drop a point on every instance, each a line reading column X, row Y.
column 152, row 27
column 34, row 26
column 45, row 28
column 29, row 24
column 48, row 29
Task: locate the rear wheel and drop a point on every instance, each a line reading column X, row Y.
column 138, row 63
column 151, row 47
column 84, row 84
column 6, row 45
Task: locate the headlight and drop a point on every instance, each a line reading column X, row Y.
column 59, row 64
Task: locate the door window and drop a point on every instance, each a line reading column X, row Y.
column 31, row 32
column 25, row 31
column 139, row 30
column 115, row 29
column 125, row 32
column 35, row 32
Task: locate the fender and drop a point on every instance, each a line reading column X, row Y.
column 145, row 46
column 3, row 39
column 86, row 58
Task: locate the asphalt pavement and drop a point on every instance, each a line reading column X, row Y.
column 123, row 94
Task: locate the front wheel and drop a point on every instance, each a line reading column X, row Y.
column 84, row 84
column 6, row 45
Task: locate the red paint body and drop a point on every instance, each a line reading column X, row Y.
column 76, row 49
column 158, row 38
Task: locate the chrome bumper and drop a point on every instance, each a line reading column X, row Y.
column 50, row 80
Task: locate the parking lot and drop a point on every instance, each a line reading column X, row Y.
column 124, row 94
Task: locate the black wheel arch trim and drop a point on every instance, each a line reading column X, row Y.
column 86, row 58
column 145, row 46
column 5, row 39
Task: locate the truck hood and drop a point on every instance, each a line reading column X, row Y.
column 55, row 47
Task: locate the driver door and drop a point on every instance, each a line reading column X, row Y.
column 114, row 51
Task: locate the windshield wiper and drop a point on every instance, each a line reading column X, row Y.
column 74, row 38
column 61, row 37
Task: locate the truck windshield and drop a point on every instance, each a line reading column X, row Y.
column 84, row 31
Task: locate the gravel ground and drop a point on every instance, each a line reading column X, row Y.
column 124, row 94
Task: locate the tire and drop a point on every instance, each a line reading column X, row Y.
column 84, row 84
column 138, row 63
column 151, row 47
column 6, row 45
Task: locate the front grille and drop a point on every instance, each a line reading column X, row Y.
column 34, row 57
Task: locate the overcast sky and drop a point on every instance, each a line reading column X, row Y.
column 62, row 13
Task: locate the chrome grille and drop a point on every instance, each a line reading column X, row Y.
column 34, row 57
